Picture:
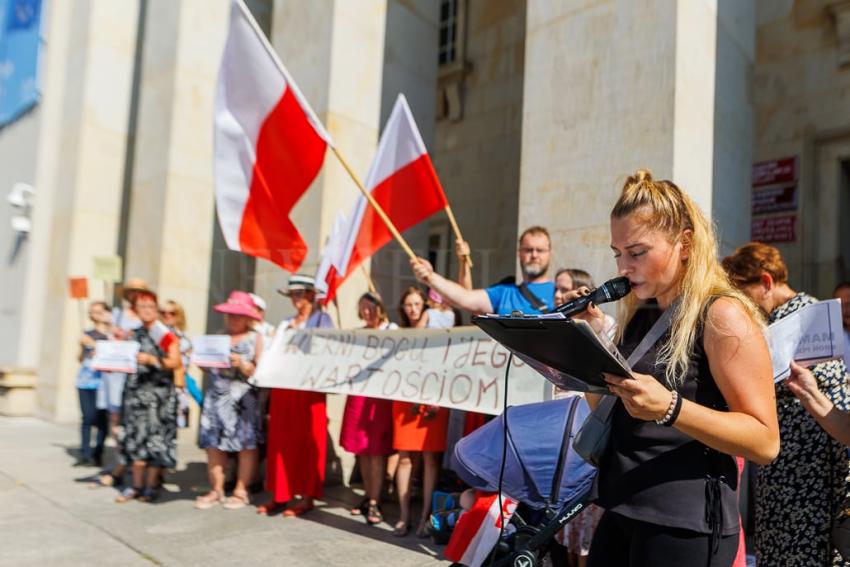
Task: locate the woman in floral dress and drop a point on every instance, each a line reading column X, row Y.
column 798, row 495
column 149, row 412
column 231, row 421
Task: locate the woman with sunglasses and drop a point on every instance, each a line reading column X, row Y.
column 149, row 412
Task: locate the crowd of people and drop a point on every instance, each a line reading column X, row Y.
column 700, row 400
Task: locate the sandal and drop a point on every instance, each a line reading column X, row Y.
column 128, row 494
column 401, row 529
column 271, row 508
column 373, row 514
column 106, row 480
column 208, row 500
column 149, row 494
column 302, row 507
column 422, row 532
column 236, row 501
column 360, row 509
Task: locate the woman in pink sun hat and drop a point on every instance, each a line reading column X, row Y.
column 231, row 421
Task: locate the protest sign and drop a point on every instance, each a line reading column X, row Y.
column 211, row 351
column 808, row 336
column 458, row 368
column 115, row 356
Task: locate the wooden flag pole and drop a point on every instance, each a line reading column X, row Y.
column 372, row 288
column 456, row 229
column 393, row 230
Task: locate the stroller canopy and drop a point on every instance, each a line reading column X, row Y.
column 535, row 437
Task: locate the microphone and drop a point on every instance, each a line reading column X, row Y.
column 612, row 290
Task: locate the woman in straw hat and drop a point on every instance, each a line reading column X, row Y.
column 231, row 421
column 298, row 421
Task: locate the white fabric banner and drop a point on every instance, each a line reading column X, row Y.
column 808, row 336
column 458, row 368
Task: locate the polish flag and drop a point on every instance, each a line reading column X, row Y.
column 403, row 182
column 269, row 146
column 477, row 530
column 162, row 335
column 326, row 273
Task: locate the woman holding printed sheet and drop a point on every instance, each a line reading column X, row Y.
column 230, row 419
column 700, row 394
column 798, row 495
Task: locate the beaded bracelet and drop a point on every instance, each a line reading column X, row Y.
column 676, row 410
column 672, row 411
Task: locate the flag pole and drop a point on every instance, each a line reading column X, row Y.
column 369, row 281
column 456, row 229
column 396, row 234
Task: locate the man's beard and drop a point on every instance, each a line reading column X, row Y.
column 534, row 271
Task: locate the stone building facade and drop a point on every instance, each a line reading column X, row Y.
column 533, row 112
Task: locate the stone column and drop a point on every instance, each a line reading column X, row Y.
column 334, row 50
column 88, row 65
column 617, row 86
column 170, row 229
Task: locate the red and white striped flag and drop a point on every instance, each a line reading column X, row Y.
column 477, row 530
column 403, row 182
column 162, row 335
column 269, row 146
column 326, row 273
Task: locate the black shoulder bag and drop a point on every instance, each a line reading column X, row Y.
column 535, row 301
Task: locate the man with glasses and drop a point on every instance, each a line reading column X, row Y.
column 535, row 294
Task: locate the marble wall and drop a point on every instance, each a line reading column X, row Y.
column 611, row 87
column 81, row 152
column 801, row 96
column 170, row 227
column 478, row 155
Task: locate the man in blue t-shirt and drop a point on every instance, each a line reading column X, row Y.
column 534, row 251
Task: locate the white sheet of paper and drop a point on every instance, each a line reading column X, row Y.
column 211, row 351
column 808, row 336
column 115, row 356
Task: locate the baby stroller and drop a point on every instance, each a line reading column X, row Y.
column 542, row 472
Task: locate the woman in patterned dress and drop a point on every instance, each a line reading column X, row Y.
column 798, row 495
column 231, row 421
column 149, row 412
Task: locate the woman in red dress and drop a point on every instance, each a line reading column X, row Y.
column 419, row 432
column 298, row 422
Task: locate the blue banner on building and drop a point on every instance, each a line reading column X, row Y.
column 20, row 46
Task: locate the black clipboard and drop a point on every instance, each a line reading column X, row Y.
column 566, row 352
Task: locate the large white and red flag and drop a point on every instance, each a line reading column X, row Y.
column 402, row 181
column 477, row 530
column 326, row 273
column 269, row 146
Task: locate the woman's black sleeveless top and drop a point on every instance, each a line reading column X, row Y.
column 657, row 474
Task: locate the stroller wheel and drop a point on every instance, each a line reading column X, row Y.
column 525, row 559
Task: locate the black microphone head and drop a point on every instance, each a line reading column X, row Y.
column 612, row 290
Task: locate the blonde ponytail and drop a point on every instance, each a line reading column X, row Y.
column 662, row 206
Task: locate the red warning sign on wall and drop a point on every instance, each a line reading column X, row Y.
column 774, row 229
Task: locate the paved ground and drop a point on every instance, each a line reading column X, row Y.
column 49, row 516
